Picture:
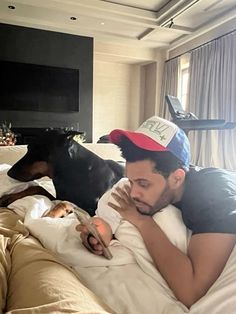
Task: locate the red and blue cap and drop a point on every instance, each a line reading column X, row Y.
column 157, row 134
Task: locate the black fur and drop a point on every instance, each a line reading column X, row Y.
column 79, row 175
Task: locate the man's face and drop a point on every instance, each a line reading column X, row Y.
column 149, row 190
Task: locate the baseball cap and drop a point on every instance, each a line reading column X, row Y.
column 157, row 134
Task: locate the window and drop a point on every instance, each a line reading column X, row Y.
column 183, row 80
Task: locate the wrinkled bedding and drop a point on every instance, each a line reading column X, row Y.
column 113, row 280
column 129, row 282
column 33, row 280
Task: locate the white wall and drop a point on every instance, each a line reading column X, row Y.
column 152, row 74
column 125, row 94
column 116, row 98
column 126, row 86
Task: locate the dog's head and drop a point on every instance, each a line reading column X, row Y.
column 38, row 160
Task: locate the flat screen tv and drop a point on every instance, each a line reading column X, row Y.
column 33, row 87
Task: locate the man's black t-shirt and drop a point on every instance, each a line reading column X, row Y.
column 209, row 201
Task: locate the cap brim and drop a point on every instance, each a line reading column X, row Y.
column 139, row 139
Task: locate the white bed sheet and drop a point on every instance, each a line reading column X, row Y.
column 129, row 283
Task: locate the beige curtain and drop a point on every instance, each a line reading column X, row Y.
column 169, row 85
column 212, row 95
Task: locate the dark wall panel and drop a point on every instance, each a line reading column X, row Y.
column 28, row 45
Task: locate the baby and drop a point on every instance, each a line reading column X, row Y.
column 60, row 210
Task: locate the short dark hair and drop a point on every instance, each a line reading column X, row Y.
column 165, row 162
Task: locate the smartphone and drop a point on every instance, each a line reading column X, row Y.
column 83, row 219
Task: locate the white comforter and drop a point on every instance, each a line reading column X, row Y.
column 129, row 282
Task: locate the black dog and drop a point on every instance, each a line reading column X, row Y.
column 78, row 175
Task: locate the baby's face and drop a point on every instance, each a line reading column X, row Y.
column 60, row 210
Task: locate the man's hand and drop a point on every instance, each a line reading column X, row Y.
column 127, row 207
column 89, row 241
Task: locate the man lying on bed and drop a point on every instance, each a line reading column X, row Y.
column 157, row 166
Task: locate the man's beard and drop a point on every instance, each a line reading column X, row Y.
column 164, row 200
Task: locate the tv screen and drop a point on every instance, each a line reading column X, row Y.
column 35, row 87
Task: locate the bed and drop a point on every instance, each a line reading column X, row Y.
column 46, row 269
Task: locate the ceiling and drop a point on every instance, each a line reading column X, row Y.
column 134, row 23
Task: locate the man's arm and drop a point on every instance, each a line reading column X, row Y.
column 189, row 276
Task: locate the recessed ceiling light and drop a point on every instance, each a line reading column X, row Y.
column 73, row 18
column 102, row 23
column 12, row 7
